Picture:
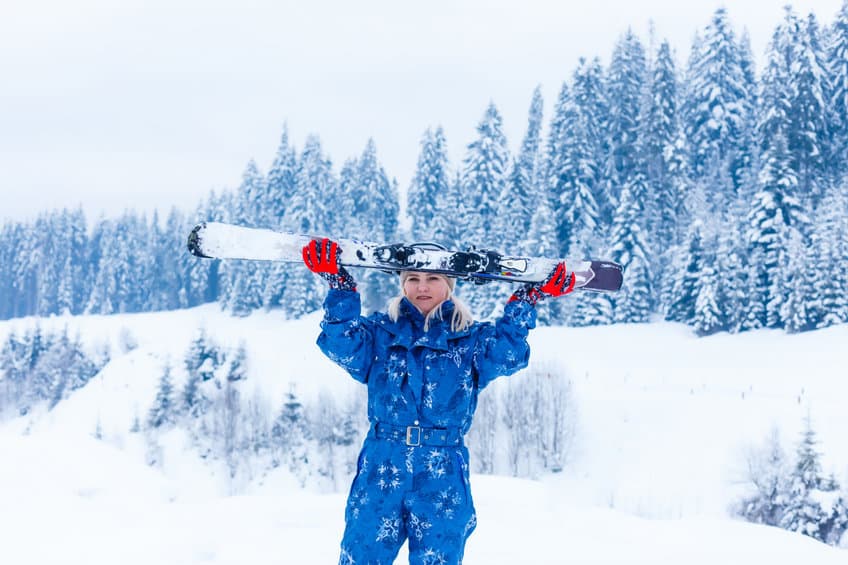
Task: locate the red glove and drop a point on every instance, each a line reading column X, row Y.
column 323, row 259
column 560, row 283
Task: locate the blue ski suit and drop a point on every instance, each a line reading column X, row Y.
column 412, row 473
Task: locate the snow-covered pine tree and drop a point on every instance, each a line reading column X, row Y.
column 484, row 177
column 714, row 108
column 541, row 241
column 660, row 133
column 116, row 286
column 776, row 207
column 688, row 265
column 315, row 189
column 628, row 247
column 625, row 84
column 9, row 236
column 164, row 279
column 163, row 410
column 245, row 281
column 709, row 317
column 308, row 212
column 730, row 256
column 837, row 63
column 429, row 185
column 452, row 216
column 280, row 184
column 830, row 249
column 795, row 315
column 520, row 191
column 289, row 434
column 578, row 212
column 746, row 162
column 809, row 136
column 375, row 217
column 251, row 197
column 44, row 264
column 803, row 512
column 237, row 369
column 12, row 366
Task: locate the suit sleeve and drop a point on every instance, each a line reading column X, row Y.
column 346, row 337
column 501, row 348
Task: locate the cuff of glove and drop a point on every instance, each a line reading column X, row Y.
column 340, row 281
column 529, row 294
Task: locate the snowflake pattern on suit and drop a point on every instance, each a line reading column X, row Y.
column 429, row 379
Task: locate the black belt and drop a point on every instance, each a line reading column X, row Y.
column 416, row 435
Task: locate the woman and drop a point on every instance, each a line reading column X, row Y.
column 424, row 361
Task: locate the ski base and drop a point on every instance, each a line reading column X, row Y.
column 215, row 240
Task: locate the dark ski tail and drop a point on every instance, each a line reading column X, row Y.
column 608, row 276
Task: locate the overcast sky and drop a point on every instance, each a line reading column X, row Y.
column 147, row 104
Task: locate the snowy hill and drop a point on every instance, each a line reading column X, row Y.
column 663, row 423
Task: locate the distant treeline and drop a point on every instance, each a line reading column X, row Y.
column 722, row 189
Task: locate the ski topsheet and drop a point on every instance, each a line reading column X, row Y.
column 226, row 241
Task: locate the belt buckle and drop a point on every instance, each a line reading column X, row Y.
column 409, row 430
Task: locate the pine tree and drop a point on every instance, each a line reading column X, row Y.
column 251, row 197
column 661, row 130
column 289, row 434
column 245, row 281
column 163, row 410
column 281, row 183
column 316, row 189
column 686, row 280
column 578, row 213
column 520, row 195
column 708, row 312
column 809, row 139
column 484, row 176
column 830, row 250
column 625, row 86
column 237, row 370
column 541, row 241
column 429, row 184
column 375, row 217
column 731, row 269
column 837, row 63
column 715, row 109
column 629, row 248
column 770, row 219
column 803, row 513
column 797, row 282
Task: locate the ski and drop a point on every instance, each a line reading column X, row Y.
column 215, row 240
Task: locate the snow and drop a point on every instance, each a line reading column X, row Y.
column 664, row 420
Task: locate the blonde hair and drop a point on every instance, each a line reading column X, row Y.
column 460, row 320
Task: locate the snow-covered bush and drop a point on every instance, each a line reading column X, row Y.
column 796, row 497
column 525, row 424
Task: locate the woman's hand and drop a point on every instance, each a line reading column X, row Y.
column 323, row 260
column 559, row 283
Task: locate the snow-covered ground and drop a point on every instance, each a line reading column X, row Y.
column 664, row 419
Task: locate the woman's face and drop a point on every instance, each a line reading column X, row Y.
column 426, row 290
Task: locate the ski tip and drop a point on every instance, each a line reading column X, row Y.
column 194, row 241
